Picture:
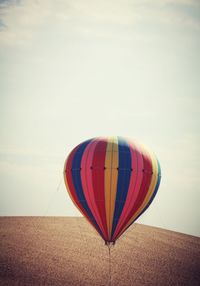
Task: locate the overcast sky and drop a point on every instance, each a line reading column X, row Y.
column 76, row 69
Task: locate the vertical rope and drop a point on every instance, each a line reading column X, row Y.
column 109, row 266
column 53, row 196
column 38, row 222
column 60, row 183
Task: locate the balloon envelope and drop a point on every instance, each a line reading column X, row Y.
column 112, row 181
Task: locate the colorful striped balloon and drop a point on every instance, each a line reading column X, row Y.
column 112, row 181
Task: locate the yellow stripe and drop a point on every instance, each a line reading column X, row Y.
column 151, row 189
column 110, row 185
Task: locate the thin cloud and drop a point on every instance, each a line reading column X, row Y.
column 107, row 19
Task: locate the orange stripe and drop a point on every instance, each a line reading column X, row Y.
column 111, row 175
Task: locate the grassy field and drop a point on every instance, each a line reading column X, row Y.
column 67, row 251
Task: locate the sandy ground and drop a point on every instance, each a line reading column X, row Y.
column 67, row 251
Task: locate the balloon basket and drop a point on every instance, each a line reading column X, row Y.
column 109, row 243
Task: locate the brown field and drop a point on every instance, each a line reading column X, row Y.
column 67, row 251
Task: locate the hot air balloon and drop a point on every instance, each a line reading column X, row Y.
column 112, row 181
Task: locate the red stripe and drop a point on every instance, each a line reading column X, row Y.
column 134, row 186
column 98, row 172
column 86, row 179
column 71, row 188
column 146, row 180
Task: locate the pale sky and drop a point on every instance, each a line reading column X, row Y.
column 77, row 69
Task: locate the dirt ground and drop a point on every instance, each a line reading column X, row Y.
column 67, row 251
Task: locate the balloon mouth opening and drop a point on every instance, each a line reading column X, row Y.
column 109, row 243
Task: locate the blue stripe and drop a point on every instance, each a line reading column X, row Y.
column 76, row 177
column 124, row 174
